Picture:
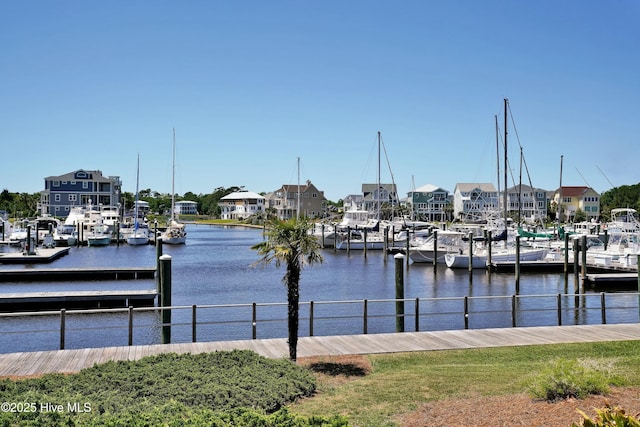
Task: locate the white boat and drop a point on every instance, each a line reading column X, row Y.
column 448, row 242
column 356, row 241
column 175, row 234
column 139, row 235
column 623, row 220
column 99, row 236
column 65, row 235
column 480, row 259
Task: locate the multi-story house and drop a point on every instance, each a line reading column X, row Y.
column 429, row 203
column 186, row 207
column 474, row 202
column 527, row 202
column 287, row 199
column 79, row 188
column 241, row 205
column 377, row 195
column 569, row 200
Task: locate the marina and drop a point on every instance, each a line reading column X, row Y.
column 349, row 293
column 76, row 300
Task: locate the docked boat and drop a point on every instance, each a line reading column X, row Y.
column 65, row 235
column 139, row 235
column 480, row 259
column 99, row 236
column 175, row 234
column 357, row 240
column 425, row 250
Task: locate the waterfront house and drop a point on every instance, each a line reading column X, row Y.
column 529, row 203
column 186, row 207
column 574, row 199
column 378, row 195
column 475, row 202
column 353, row 202
column 285, row 201
column 241, row 205
column 429, row 203
column 78, row 189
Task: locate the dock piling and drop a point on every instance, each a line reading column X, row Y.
column 399, row 259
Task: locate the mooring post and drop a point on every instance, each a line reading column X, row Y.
column 517, row 266
column 117, row 234
column 584, row 258
column 399, row 260
column 158, row 278
column 470, row 253
column 435, row 251
column 566, row 255
column 165, row 274
column 365, row 243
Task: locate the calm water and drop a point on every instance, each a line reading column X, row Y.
column 215, row 267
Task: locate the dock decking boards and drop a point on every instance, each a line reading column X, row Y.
column 43, row 362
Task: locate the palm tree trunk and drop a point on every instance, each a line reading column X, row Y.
column 293, row 299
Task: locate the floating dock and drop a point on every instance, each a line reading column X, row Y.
column 33, row 301
column 71, row 274
column 41, row 255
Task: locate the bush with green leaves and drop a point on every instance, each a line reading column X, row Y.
column 608, row 417
column 218, row 389
column 578, row 378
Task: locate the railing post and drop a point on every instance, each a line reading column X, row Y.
column 311, row 318
column 603, row 309
column 365, row 309
column 399, row 259
column 130, row 326
column 254, row 320
column 194, row 323
column 559, row 303
column 466, row 312
column 62, row 327
column 514, row 313
column 417, row 306
column 165, row 280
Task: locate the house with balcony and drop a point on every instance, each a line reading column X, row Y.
column 186, row 207
column 290, row 199
column 78, row 189
column 475, row 202
column 379, row 195
column 241, row 205
column 430, row 203
column 569, row 200
column 526, row 202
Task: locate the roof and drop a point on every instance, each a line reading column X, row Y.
column 466, row 187
column 242, row 195
column 573, row 191
column 428, row 188
column 71, row 176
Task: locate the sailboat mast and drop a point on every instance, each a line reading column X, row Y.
column 173, row 176
column 506, row 210
column 135, row 210
column 379, row 188
column 298, row 207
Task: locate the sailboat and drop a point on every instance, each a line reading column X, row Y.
column 175, row 234
column 139, row 236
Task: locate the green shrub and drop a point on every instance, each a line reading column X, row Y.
column 565, row 378
column 608, row 417
column 215, row 389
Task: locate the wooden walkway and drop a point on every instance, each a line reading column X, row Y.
column 42, row 362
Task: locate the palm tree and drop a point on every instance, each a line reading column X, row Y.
column 290, row 242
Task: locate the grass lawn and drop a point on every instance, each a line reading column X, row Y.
column 376, row 389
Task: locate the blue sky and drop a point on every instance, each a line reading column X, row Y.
column 251, row 86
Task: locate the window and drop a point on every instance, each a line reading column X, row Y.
column 57, row 198
column 85, row 184
column 56, row 183
column 73, row 197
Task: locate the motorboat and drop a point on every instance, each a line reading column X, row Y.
column 441, row 242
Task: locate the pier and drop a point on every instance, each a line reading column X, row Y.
column 41, row 255
column 29, row 301
column 70, row 361
column 71, row 274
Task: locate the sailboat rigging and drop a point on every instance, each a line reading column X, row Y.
column 175, row 234
column 140, row 236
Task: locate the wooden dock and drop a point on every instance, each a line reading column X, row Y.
column 69, row 361
column 41, row 256
column 33, row 301
column 70, row 274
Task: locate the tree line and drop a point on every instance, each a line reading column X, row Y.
column 25, row 205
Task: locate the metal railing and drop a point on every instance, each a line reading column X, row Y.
column 129, row 326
